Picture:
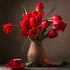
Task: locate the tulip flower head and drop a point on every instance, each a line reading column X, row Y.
column 39, row 7
column 35, row 27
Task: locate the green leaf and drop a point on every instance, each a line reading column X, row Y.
column 51, row 22
column 28, row 64
column 64, row 64
column 24, row 10
column 44, row 65
column 23, row 64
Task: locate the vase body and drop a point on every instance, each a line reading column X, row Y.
column 36, row 53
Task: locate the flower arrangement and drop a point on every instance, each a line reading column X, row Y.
column 35, row 28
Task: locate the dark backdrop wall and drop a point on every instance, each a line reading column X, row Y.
column 56, row 50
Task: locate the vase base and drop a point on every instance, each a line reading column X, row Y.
column 36, row 65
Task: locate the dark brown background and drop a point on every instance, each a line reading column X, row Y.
column 56, row 50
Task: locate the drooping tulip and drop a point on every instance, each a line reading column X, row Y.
column 7, row 28
column 52, row 33
column 59, row 25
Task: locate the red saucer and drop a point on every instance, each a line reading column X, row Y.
column 14, row 67
column 17, row 67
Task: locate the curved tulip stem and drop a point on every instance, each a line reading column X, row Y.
column 45, row 36
column 38, row 26
column 16, row 25
column 50, row 21
column 24, row 45
column 48, row 30
column 49, row 18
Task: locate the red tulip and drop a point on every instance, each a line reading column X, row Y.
column 24, row 32
column 39, row 6
column 24, row 15
column 35, row 14
column 41, row 15
column 25, row 24
column 56, row 17
column 39, row 28
column 33, row 22
column 7, row 28
column 33, row 32
column 45, row 23
column 59, row 25
column 46, row 61
column 27, row 18
column 52, row 33
column 28, row 15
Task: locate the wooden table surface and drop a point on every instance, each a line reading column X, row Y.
column 34, row 68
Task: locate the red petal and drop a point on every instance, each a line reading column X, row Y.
column 41, row 15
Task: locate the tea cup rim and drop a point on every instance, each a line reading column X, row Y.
column 17, row 59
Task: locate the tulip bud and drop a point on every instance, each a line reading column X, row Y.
column 39, row 7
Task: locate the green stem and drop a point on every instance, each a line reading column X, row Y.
column 49, row 18
column 24, row 44
column 40, row 34
column 45, row 36
column 50, row 21
column 38, row 26
column 16, row 25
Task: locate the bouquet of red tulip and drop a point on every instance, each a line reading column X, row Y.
column 35, row 28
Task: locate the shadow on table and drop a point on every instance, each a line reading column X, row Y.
column 21, row 69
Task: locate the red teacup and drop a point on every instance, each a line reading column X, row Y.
column 16, row 62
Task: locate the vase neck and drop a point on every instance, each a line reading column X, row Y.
column 36, row 42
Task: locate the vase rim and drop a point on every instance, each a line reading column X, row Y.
column 36, row 40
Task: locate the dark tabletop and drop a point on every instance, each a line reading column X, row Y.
column 34, row 68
